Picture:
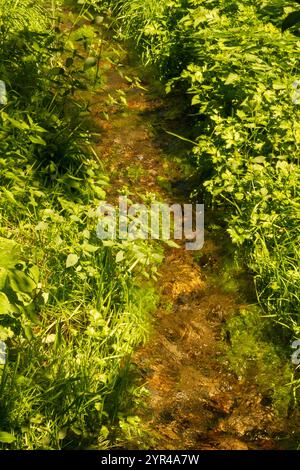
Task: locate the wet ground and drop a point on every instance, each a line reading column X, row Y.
column 195, row 401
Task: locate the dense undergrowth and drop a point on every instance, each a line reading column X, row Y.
column 71, row 309
column 236, row 74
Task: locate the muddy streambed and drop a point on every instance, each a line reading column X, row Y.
column 195, row 400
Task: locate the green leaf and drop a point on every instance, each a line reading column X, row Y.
column 69, row 61
column 58, row 336
column 232, row 78
column 104, row 432
column 36, row 139
column 23, row 299
column 90, row 62
column 6, row 437
column 239, row 196
column 3, row 276
column 87, row 247
column 100, row 193
column 22, row 125
column 108, row 243
column 34, row 273
column 41, row 226
column 72, row 260
column 10, row 197
column 5, row 306
column 196, row 100
column 56, row 71
column 62, row 434
column 172, row 244
column 28, row 332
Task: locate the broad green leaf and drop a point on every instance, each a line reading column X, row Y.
column 10, row 196
column 100, row 193
column 19, row 124
column 72, row 260
column 23, row 298
column 99, row 20
column 90, row 248
column 108, row 243
column 196, row 100
column 69, row 61
column 239, row 196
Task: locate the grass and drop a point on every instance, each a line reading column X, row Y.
column 72, row 309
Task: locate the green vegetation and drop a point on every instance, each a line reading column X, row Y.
column 237, row 73
column 254, row 356
column 71, row 309
column 74, row 309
